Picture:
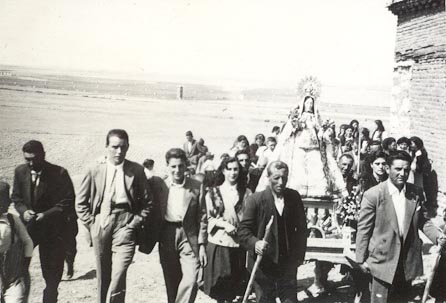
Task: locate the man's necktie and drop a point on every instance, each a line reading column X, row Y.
column 106, row 203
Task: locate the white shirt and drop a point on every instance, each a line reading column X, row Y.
column 175, row 202
column 189, row 146
column 399, row 203
column 229, row 193
column 280, row 204
column 35, row 177
column 120, row 193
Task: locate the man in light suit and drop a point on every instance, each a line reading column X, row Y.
column 184, row 232
column 43, row 195
column 191, row 149
column 284, row 250
column 387, row 241
column 113, row 202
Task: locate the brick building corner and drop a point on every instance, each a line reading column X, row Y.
column 419, row 83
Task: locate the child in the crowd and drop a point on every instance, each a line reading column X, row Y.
column 16, row 249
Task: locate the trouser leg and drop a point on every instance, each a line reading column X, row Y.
column 123, row 250
column 379, row 291
column 190, row 266
column 52, row 255
column 70, row 241
column 101, row 239
column 170, row 262
column 287, row 283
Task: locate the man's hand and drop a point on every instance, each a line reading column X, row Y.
column 261, row 247
column 145, row 213
column 28, row 215
column 364, row 267
column 202, row 256
column 40, row 216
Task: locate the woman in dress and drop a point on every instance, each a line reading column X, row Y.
column 224, row 274
column 378, row 133
column 312, row 171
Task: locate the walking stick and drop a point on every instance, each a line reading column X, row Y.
column 430, row 279
column 256, row 265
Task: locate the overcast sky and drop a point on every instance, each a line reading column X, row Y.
column 269, row 42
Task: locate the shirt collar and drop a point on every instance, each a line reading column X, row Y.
column 173, row 184
column 117, row 167
column 393, row 189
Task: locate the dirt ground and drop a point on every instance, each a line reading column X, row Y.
column 72, row 128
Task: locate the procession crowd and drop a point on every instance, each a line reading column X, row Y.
column 213, row 217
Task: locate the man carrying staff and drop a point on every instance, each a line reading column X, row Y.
column 284, row 250
column 112, row 202
column 43, row 194
column 387, row 241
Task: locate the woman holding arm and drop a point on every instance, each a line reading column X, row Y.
column 225, row 203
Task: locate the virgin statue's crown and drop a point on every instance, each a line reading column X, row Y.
column 309, row 86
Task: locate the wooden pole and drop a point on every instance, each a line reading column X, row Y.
column 257, row 263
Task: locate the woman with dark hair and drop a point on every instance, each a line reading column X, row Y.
column 355, row 125
column 341, row 134
column 379, row 131
column 241, row 143
column 421, row 166
column 224, row 274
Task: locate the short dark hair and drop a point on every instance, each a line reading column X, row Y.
column 260, row 136
column 275, row 128
column 375, row 142
column 189, row 133
column 271, row 139
column 116, row 132
column 148, row 163
column 242, row 138
column 33, row 147
column 399, row 155
column 276, row 165
column 242, row 152
column 387, row 141
column 403, row 140
column 348, row 156
column 376, row 155
column 176, row 153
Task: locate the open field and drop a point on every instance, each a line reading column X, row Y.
column 72, row 125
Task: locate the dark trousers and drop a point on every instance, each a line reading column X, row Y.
column 52, row 255
column 71, row 230
column 180, row 265
column 276, row 280
column 114, row 247
column 398, row 291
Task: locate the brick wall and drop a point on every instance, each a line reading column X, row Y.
column 419, row 92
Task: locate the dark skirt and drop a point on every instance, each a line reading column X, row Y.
column 225, row 275
column 438, row 288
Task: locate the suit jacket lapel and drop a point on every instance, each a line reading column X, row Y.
column 129, row 176
column 271, row 206
column 390, row 208
column 411, row 204
column 188, row 196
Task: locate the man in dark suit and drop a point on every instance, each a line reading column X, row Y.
column 191, row 149
column 387, row 241
column 113, row 202
column 184, row 231
column 284, row 250
column 43, row 195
